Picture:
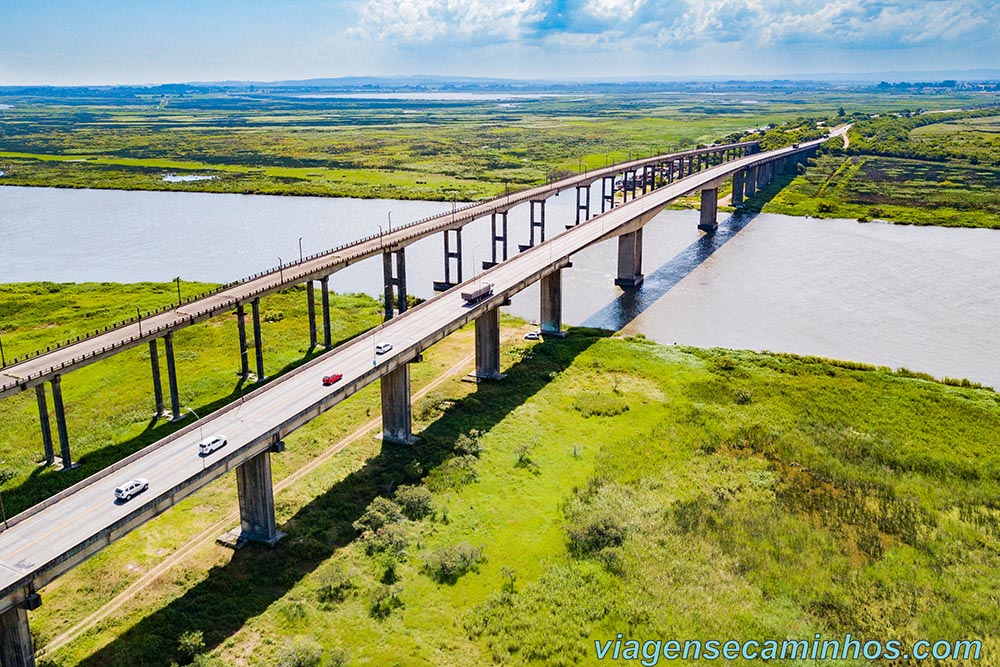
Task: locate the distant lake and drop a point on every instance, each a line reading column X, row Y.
column 927, row 298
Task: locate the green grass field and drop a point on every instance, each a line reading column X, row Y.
column 606, row 485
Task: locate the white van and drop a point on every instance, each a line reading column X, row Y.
column 206, row 447
column 131, row 488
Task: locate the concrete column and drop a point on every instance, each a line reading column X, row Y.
column 607, row 193
column 630, row 260
column 449, row 254
column 751, row 182
column 499, row 239
column 397, row 420
column 401, row 274
column 551, row 304
column 175, row 401
column 582, row 205
column 709, row 219
column 258, row 342
column 324, row 285
column 16, row 649
column 387, row 285
column 43, row 420
column 488, row 345
column 57, row 404
column 253, row 484
column 154, row 362
column 538, row 221
column 738, row 178
column 311, row 305
column 241, row 324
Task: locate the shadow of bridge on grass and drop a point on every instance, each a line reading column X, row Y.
column 256, row 576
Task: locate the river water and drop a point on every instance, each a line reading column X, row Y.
column 922, row 297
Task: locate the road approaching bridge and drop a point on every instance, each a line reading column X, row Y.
column 45, row 541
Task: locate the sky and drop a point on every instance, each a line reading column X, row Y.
column 88, row 42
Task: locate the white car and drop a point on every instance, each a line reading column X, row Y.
column 533, row 335
column 383, row 348
column 131, row 488
column 206, row 447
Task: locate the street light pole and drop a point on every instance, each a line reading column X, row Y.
column 138, row 315
column 3, row 360
column 300, row 250
column 390, row 222
column 281, row 271
column 380, row 236
column 178, row 280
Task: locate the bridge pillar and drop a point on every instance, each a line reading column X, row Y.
column 449, row 255
column 241, row 324
column 57, row 404
column 154, row 362
column 16, row 648
column 324, row 289
column 43, row 420
column 709, row 219
column 258, row 340
column 582, row 205
column 630, row 260
column 488, row 345
column 499, row 239
column 537, row 221
column 738, row 178
column 168, row 352
column 551, row 304
column 607, row 193
column 647, row 178
column 256, row 493
column 751, row 182
column 311, row 306
column 690, row 162
column 395, row 282
column 397, row 419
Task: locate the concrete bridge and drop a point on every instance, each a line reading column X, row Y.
column 47, row 540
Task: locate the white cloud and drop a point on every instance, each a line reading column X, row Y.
column 616, row 10
column 423, row 21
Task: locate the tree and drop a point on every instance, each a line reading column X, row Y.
column 840, row 112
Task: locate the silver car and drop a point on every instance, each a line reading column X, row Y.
column 131, row 488
column 206, row 447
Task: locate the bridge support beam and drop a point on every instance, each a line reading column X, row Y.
column 256, row 493
column 537, row 222
column 709, row 219
column 395, row 282
column 488, row 345
column 738, row 179
column 311, row 306
column 630, row 260
column 499, row 236
column 154, row 362
column 607, row 193
column 397, row 418
column 258, row 341
column 450, row 254
column 324, row 284
column 16, row 648
column 583, row 205
column 43, row 421
column 551, row 304
column 57, row 405
column 751, row 182
column 241, row 324
column 175, row 400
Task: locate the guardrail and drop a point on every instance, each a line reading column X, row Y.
column 519, row 196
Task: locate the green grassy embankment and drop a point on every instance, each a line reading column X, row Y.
column 607, row 485
column 109, row 404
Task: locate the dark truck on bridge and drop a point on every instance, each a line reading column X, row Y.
column 477, row 295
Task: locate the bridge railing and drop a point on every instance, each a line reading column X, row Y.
column 518, row 196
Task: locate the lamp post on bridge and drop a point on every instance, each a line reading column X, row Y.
column 380, row 243
column 178, row 281
column 3, row 359
column 390, row 222
column 300, row 250
column 138, row 316
column 281, row 271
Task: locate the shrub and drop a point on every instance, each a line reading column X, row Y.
column 446, row 564
column 591, row 534
column 337, row 586
column 381, row 512
column 469, row 444
column 591, row 405
column 303, row 653
column 273, row 316
column 825, row 207
column 190, row 644
column 415, row 501
column 743, row 397
column 383, row 601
